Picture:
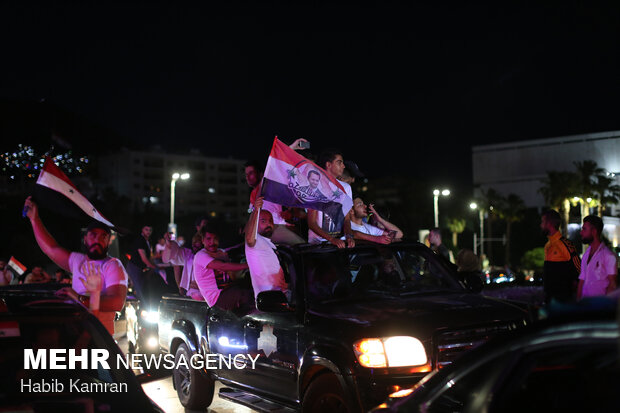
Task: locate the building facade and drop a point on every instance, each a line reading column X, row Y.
column 520, row 167
column 216, row 187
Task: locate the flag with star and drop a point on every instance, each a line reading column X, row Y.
column 294, row 181
column 52, row 177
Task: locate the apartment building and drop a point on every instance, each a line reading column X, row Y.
column 216, row 186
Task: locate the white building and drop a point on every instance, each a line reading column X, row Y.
column 216, row 187
column 519, row 167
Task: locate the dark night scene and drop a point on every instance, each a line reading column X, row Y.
column 314, row 207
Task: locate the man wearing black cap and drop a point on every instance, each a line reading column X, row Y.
column 351, row 171
column 94, row 274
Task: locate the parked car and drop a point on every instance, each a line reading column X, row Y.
column 360, row 323
column 33, row 318
column 568, row 363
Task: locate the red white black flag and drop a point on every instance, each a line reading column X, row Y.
column 17, row 266
column 53, row 178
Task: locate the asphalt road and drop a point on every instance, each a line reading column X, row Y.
column 162, row 392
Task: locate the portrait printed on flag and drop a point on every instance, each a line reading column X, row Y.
column 294, row 181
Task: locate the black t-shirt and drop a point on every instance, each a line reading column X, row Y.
column 140, row 244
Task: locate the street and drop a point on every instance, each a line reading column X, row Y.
column 162, row 392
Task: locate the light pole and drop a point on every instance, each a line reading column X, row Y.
column 436, row 193
column 172, row 227
column 473, row 205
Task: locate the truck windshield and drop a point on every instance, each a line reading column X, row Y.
column 375, row 272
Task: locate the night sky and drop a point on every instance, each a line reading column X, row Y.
column 399, row 90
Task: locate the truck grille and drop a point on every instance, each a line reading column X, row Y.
column 451, row 344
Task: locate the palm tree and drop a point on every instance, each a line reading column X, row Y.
column 606, row 192
column 558, row 188
column 587, row 174
column 511, row 210
column 490, row 201
column 456, row 226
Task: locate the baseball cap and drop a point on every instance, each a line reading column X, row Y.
column 353, row 169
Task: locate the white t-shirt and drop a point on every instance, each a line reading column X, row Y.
column 110, row 270
column 323, row 220
column 595, row 273
column 367, row 229
column 184, row 257
column 265, row 269
column 207, row 279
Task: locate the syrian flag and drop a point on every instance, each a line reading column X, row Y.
column 53, row 178
column 17, row 266
column 294, row 181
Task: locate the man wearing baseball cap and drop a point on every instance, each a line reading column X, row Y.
column 99, row 281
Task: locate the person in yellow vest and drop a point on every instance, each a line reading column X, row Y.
column 562, row 265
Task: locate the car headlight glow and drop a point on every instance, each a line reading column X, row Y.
column 397, row 351
column 150, row 316
column 152, row 342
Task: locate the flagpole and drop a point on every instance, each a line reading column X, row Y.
column 260, row 194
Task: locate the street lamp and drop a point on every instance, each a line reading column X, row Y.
column 436, row 193
column 172, row 227
column 473, row 205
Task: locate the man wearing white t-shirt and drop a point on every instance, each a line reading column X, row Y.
column 365, row 231
column 99, row 281
column 598, row 264
column 179, row 256
column 213, row 274
column 320, row 225
column 265, row 269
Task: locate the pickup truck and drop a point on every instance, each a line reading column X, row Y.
column 359, row 324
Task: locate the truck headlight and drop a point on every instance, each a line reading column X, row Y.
column 150, row 316
column 397, row 351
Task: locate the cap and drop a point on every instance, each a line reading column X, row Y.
column 100, row 225
column 353, row 169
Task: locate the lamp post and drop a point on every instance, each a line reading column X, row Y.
column 436, row 193
column 172, row 227
column 473, row 205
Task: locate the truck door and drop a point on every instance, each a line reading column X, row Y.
column 273, row 338
column 225, row 332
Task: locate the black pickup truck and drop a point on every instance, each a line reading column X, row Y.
column 360, row 324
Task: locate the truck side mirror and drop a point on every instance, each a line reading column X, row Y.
column 273, row 301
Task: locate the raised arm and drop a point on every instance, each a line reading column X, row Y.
column 46, row 242
column 388, row 225
column 250, row 226
column 172, row 252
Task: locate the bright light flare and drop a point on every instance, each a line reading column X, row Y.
column 152, row 342
column 404, row 351
column 398, row 351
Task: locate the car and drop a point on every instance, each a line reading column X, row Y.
column 38, row 333
column 142, row 315
column 359, row 322
column 499, row 276
column 566, row 363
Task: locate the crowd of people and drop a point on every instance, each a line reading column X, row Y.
column 204, row 271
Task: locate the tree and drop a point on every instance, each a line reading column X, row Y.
column 558, row 188
column 511, row 209
column 490, row 200
column 456, row 226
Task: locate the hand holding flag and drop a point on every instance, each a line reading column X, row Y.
column 294, row 181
